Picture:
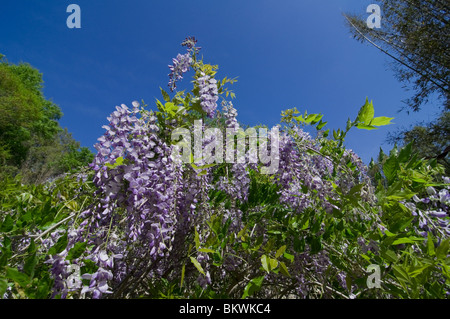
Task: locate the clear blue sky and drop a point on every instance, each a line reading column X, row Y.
column 285, row 53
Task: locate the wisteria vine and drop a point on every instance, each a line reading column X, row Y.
column 155, row 217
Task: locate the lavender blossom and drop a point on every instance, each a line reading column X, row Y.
column 181, row 64
column 190, row 43
column 208, row 94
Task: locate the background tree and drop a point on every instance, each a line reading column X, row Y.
column 414, row 34
column 431, row 140
column 32, row 143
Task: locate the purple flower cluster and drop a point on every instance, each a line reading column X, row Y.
column 230, row 114
column 136, row 179
column 190, row 43
column 99, row 281
column 301, row 174
column 64, row 272
column 236, row 182
column 432, row 211
column 208, row 94
column 183, row 62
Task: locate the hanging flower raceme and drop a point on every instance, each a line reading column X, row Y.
column 208, row 94
column 181, row 65
column 230, row 114
column 190, row 43
column 183, row 62
column 134, row 175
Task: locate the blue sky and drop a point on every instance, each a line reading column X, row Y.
column 285, row 53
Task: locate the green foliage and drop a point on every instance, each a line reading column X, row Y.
column 429, row 140
column 28, row 215
column 32, row 144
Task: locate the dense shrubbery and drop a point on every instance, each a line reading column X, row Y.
column 140, row 223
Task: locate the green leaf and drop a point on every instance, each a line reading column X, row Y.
column 442, row 250
column 389, row 234
column 197, row 265
column 273, row 263
column 299, row 244
column 6, row 251
column 335, row 135
column 118, row 162
column 171, row 108
column 288, row 256
column 284, row 269
column 165, row 95
column 316, row 245
column 366, row 113
column 30, row 265
column 265, row 263
column 280, row 251
column 416, row 271
column 321, row 125
column 160, row 106
column 363, row 126
column 389, row 255
column 400, row 273
column 381, row 121
column 402, row 195
column 204, row 172
column 15, row 275
column 7, row 225
column 381, row 156
column 31, row 260
column 348, row 282
column 405, row 153
column 60, row 245
column 77, row 250
column 305, row 225
column 418, row 177
column 203, row 167
column 32, row 247
column 183, row 271
column 299, row 119
column 390, row 168
column 197, row 239
column 206, row 250
column 313, row 118
column 3, row 287
column 407, row 240
column 401, row 224
column 253, row 286
column 430, row 245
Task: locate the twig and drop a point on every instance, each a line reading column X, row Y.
column 53, row 227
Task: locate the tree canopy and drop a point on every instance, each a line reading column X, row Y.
column 32, row 143
column 414, row 33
